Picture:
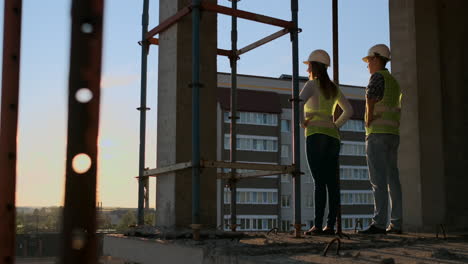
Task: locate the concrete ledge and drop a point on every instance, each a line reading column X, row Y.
column 284, row 248
column 144, row 251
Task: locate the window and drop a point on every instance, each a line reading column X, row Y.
column 285, row 201
column 253, row 196
column 286, row 178
column 284, row 151
column 227, row 196
column 353, row 148
column 253, row 143
column 251, row 118
column 357, row 197
column 285, row 225
column 354, row 173
column 252, row 222
column 285, row 126
column 309, row 200
column 349, row 221
column 353, row 125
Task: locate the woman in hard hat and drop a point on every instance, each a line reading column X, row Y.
column 319, row 98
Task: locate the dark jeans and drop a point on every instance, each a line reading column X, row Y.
column 322, row 155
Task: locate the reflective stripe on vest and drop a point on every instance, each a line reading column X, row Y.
column 384, row 122
column 383, row 108
column 327, row 120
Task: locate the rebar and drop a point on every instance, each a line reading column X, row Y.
column 338, row 241
column 358, row 222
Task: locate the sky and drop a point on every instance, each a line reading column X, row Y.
column 44, row 82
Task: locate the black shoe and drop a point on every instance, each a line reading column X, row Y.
column 314, row 231
column 392, row 230
column 328, row 231
column 373, row 230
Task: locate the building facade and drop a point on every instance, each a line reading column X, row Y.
column 264, row 135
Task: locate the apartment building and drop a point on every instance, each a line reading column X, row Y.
column 264, row 136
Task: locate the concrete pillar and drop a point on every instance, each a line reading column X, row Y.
column 173, row 191
column 428, row 38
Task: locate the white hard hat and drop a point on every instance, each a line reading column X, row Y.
column 378, row 50
column 319, row 56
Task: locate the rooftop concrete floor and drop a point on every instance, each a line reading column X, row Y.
column 284, row 248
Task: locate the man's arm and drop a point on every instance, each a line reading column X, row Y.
column 374, row 93
column 370, row 103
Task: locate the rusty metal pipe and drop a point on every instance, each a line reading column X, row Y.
column 79, row 241
column 9, row 127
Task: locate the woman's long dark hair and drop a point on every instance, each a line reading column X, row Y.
column 327, row 87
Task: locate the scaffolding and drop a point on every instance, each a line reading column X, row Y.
column 196, row 164
column 79, row 240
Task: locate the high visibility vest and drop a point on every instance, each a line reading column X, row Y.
column 321, row 118
column 387, row 111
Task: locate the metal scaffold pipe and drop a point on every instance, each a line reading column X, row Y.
column 336, row 79
column 295, row 119
column 196, row 117
column 79, row 239
column 233, row 149
column 143, row 181
column 9, row 127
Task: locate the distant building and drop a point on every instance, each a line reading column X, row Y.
column 264, row 136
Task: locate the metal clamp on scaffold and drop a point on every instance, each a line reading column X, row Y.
column 146, row 43
column 146, row 109
column 294, row 30
column 233, row 58
column 295, row 100
column 231, row 181
column 296, row 173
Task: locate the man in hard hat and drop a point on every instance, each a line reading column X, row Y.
column 382, row 121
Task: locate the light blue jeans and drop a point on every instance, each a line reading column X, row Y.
column 382, row 157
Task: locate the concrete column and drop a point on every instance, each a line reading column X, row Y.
column 433, row 131
column 173, row 191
